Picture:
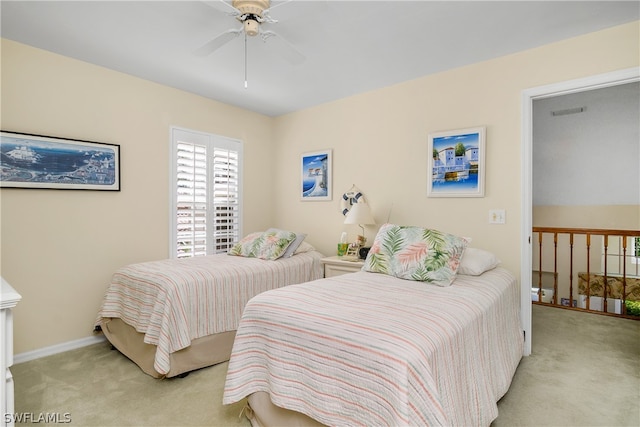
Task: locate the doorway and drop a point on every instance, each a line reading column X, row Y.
column 528, row 96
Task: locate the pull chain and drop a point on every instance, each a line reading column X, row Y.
column 245, row 60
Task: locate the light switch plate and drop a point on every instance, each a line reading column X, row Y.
column 497, row 216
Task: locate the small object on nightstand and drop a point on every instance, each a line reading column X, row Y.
column 342, row 248
column 363, row 252
column 352, row 250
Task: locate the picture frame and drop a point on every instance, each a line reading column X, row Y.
column 456, row 163
column 47, row 162
column 316, row 178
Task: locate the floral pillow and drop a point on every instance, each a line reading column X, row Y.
column 245, row 245
column 415, row 253
column 269, row 245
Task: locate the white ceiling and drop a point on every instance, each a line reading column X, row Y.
column 350, row 46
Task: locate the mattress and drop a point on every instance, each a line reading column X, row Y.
column 174, row 302
column 371, row 349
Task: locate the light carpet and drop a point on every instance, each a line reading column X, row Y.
column 584, row 371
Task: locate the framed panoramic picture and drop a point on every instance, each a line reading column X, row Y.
column 456, row 163
column 316, row 179
column 36, row 161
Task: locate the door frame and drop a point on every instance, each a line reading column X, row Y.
column 614, row 78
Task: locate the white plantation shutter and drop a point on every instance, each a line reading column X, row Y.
column 206, row 214
column 191, row 192
column 226, row 199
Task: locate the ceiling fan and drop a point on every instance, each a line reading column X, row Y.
column 252, row 14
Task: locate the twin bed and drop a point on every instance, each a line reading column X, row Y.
column 427, row 334
column 371, row 349
column 177, row 315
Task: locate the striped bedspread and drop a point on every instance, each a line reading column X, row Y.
column 369, row 349
column 175, row 301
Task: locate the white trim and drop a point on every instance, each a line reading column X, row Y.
column 614, row 78
column 527, row 220
column 58, row 348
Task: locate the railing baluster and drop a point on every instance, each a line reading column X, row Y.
column 621, row 287
column 540, row 266
column 570, row 269
column 555, row 268
column 588, row 271
column 624, row 276
column 606, row 281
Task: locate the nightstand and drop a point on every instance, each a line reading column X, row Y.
column 337, row 265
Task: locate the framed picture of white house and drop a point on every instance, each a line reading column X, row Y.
column 316, row 179
column 456, row 163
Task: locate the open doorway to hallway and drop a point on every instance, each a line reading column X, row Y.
column 530, row 96
column 586, row 175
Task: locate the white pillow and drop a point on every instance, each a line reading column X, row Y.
column 304, row 247
column 476, row 261
column 291, row 249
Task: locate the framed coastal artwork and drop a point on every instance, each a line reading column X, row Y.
column 316, row 178
column 36, row 161
column 456, row 163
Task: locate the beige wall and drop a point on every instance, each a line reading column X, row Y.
column 59, row 248
column 379, row 142
column 619, row 217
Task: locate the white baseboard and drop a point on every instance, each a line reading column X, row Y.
column 58, row 348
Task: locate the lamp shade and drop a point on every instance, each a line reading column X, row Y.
column 359, row 214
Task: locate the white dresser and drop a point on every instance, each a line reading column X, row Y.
column 8, row 299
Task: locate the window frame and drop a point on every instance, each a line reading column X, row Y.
column 211, row 141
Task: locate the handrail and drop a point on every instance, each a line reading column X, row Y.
column 623, row 234
column 600, row 231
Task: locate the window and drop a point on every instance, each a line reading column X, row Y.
column 620, row 259
column 206, row 188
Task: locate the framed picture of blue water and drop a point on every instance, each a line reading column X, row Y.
column 456, row 163
column 36, row 161
column 316, row 179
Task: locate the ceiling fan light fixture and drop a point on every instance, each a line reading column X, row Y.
column 251, row 27
column 252, row 14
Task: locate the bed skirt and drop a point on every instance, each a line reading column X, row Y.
column 262, row 413
column 202, row 352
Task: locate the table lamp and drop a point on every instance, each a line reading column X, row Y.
column 360, row 214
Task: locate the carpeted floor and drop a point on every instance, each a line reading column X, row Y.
column 98, row 386
column 584, row 371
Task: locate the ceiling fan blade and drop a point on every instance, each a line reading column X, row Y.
column 266, row 13
column 285, row 49
column 219, row 41
column 222, row 6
